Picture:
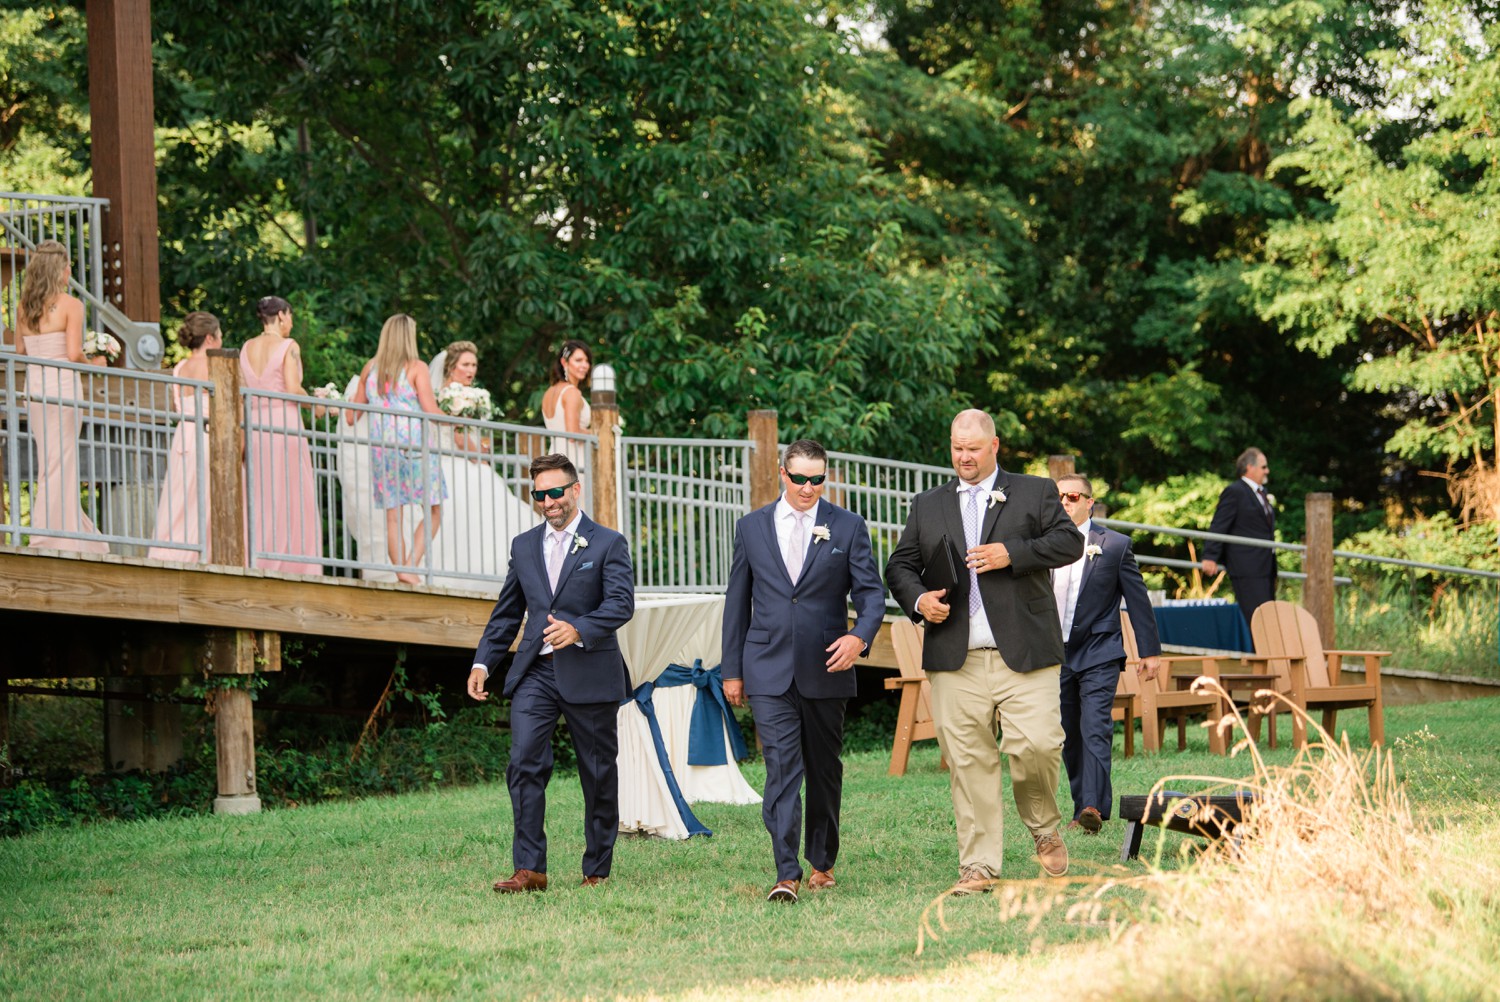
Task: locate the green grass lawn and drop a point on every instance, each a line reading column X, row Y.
column 391, row 897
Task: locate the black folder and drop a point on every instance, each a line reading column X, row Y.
column 942, row 570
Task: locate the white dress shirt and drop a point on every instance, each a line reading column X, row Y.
column 569, row 533
column 980, row 634
column 785, row 519
column 1067, row 580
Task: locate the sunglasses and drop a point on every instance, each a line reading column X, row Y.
column 555, row 493
column 802, row 478
column 1073, row 496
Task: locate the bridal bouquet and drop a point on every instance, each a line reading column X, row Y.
column 328, row 391
column 462, row 401
column 97, row 343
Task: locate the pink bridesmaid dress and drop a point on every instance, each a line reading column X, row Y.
column 282, row 496
column 177, row 506
column 54, row 426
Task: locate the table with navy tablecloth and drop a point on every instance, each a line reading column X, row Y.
column 1203, row 627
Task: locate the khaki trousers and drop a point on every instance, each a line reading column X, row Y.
column 966, row 705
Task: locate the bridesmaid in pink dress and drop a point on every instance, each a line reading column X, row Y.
column 177, row 506
column 51, row 327
column 282, row 494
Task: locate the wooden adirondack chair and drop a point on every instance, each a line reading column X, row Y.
column 1160, row 698
column 914, row 719
column 1288, row 644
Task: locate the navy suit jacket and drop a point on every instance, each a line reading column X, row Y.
column 1108, row 577
column 1018, row 600
column 595, row 593
column 775, row 631
column 1240, row 514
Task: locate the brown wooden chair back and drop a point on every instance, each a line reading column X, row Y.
column 1283, row 631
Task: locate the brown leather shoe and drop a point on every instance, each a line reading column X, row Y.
column 594, row 881
column 522, row 880
column 1053, row 854
column 973, row 880
column 1090, row 820
column 821, row 880
column 785, row 891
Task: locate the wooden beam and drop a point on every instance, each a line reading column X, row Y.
column 765, row 459
column 1060, row 466
column 226, row 450
column 122, row 112
column 1317, row 594
column 606, row 488
column 110, row 588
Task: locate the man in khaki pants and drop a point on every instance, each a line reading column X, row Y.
column 993, row 641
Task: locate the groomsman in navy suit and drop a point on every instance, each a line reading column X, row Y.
column 1088, row 593
column 572, row 582
column 798, row 565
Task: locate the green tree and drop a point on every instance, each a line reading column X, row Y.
column 1400, row 258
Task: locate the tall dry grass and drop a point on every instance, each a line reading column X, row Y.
column 1332, row 889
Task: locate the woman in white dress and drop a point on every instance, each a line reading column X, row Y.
column 563, row 405
column 484, row 513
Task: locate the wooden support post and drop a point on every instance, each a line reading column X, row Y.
column 122, row 128
column 226, row 482
column 124, row 731
column 1060, row 466
column 238, row 653
column 765, row 459
column 1317, row 596
column 606, row 489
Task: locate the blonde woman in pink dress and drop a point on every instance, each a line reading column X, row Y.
column 177, row 506
column 50, row 326
column 282, row 494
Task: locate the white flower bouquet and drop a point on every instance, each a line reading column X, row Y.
column 98, row 344
column 328, row 391
column 462, row 401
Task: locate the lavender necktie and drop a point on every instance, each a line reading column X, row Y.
column 555, row 557
column 971, row 536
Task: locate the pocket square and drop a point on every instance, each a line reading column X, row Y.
column 837, row 550
column 586, row 566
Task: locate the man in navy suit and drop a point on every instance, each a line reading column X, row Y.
column 1245, row 509
column 572, row 581
column 798, row 564
column 1088, row 593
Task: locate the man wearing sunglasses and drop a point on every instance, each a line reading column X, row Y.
column 788, row 647
column 991, row 648
column 572, row 582
column 1088, row 594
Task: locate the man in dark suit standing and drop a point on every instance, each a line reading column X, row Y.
column 572, row 581
column 1088, row 593
column 798, row 564
column 1245, row 509
column 993, row 647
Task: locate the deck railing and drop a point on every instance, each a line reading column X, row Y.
column 681, row 499
column 25, row 221
column 80, row 441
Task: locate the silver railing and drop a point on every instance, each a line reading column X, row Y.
column 311, row 472
column 25, row 221
column 881, row 491
column 681, row 498
column 86, row 459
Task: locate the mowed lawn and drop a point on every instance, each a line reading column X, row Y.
column 390, row 898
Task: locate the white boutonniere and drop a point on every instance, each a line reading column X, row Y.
column 1093, row 550
column 996, row 497
column 578, row 543
column 819, row 533
column 1271, row 499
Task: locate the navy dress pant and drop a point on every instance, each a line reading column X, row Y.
column 534, row 711
column 1088, row 696
column 801, row 738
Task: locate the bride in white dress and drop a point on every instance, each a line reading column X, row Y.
column 563, row 405
column 484, row 514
